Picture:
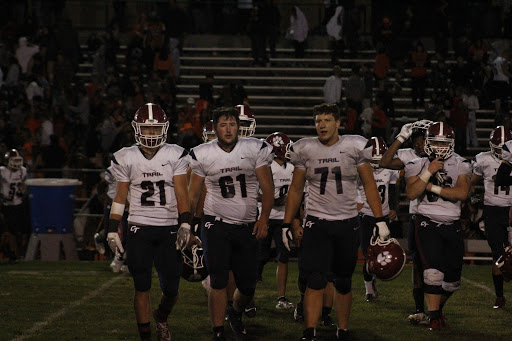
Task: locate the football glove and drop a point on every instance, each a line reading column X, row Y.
column 383, row 229
column 114, row 242
column 183, row 236
column 287, row 235
column 406, row 131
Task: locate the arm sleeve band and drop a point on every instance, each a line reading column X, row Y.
column 113, row 225
column 425, row 176
column 117, row 208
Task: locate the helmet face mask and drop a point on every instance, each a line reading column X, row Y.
column 439, row 141
column 497, row 139
column 247, row 121
column 281, row 144
column 208, row 132
column 194, row 268
column 150, row 125
column 14, row 159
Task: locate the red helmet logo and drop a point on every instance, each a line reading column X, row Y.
column 386, row 259
column 281, row 144
column 379, row 147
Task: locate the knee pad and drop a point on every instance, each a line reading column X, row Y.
column 170, row 289
column 249, row 292
column 433, row 277
column 451, row 287
column 343, row 285
column 218, row 281
column 317, row 281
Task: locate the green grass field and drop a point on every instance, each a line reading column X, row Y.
column 85, row 301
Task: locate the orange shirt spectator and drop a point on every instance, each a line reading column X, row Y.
column 350, row 121
column 163, row 64
column 381, row 67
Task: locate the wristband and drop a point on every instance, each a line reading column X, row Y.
column 185, row 217
column 401, row 138
column 113, row 225
column 117, row 208
column 286, row 225
column 379, row 219
column 435, row 189
column 425, row 176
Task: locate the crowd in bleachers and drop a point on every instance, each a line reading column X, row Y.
column 46, row 105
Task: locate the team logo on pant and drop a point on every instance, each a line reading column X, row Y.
column 208, row 225
column 309, row 224
column 423, row 224
column 134, row 229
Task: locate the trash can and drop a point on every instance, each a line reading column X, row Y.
column 51, row 209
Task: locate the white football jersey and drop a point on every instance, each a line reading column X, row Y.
column 506, row 151
column 151, row 196
column 406, row 155
column 383, row 178
column 12, row 185
column 282, row 176
column 486, row 166
column 431, row 205
column 331, row 174
column 230, row 178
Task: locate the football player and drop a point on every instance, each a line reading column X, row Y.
column 415, row 133
column 13, row 191
column 331, row 164
column 386, row 180
column 497, row 202
column 232, row 168
column 440, row 182
column 282, row 172
column 154, row 175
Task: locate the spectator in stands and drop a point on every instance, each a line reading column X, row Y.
column 477, row 53
column 46, row 128
column 350, row 122
column 351, row 28
column 51, row 156
column 381, row 67
column 470, row 101
column 354, row 89
column 13, row 73
column 439, row 76
column 378, row 121
column 334, row 30
column 163, row 64
column 418, row 75
column 459, row 122
column 24, row 53
column 113, row 124
column 367, row 72
column 366, row 121
column 153, row 39
column 299, row 27
column 384, row 36
column 81, row 110
column 333, row 87
column 501, row 81
column 273, row 26
column 187, row 137
column 257, row 30
column 460, row 72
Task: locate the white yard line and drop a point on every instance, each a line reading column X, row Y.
column 38, row 326
column 478, row 285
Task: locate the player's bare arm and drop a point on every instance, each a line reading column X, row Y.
column 388, row 160
column 416, row 185
column 370, row 188
column 294, row 197
column 181, row 191
column 120, row 198
column 194, row 190
column 459, row 192
column 266, row 182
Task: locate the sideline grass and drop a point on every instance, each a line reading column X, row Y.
column 33, row 292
